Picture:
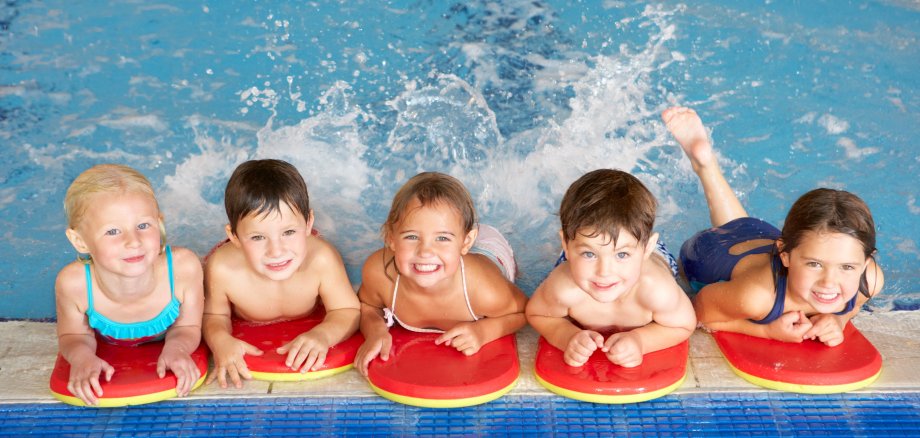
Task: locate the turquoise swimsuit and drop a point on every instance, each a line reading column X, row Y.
column 134, row 333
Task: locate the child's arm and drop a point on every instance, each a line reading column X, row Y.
column 308, row 350
column 76, row 340
column 547, row 311
column 377, row 338
column 498, row 300
column 730, row 305
column 227, row 351
column 184, row 335
column 673, row 321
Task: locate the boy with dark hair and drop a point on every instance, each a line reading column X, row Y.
column 273, row 266
column 613, row 277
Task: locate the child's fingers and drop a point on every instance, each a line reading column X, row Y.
column 385, row 347
column 251, row 349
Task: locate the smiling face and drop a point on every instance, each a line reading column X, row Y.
column 603, row 269
column 427, row 243
column 274, row 242
column 824, row 270
column 121, row 231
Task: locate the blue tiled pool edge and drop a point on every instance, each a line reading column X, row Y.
column 710, row 414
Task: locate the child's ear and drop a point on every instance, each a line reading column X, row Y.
column 783, row 255
column 77, row 241
column 469, row 240
column 564, row 244
column 233, row 239
column 650, row 245
column 310, row 218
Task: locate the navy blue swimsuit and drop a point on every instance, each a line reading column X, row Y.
column 706, row 258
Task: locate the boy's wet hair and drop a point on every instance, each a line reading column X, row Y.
column 102, row 179
column 605, row 201
column 826, row 210
column 431, row 188
column 261, row 186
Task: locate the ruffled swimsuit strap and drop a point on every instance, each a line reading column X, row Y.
column 169, row 269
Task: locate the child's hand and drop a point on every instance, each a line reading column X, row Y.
column 84, row 379
column 582, row 346
column 228, row 360
column 826, row 328
column 789, row 327
column 370, row 349
column 182, row 365
column 464, row 337
column 307, row 352
column 624, row 349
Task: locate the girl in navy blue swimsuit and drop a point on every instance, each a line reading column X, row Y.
column 804, row 282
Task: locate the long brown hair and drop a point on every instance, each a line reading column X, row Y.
column 826, row 210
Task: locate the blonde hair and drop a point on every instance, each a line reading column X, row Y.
column 106, row 178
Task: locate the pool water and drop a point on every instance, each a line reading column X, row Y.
column 516, row 98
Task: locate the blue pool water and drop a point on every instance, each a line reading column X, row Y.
column 517, row 99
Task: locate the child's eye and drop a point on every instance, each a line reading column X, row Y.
column 443, row 239
column 410, row 237
column 112, row 232
column 289, row 232
column 848, row 267
column 588, row 255
column 257, row 238
column 813, row 264
column 622, row 255
column 143, row 226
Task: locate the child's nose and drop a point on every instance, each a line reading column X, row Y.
column 424, row 247
column 274, row 247
column 604, row 266
column 132, row 240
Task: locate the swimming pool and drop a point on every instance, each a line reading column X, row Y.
column 516, row 98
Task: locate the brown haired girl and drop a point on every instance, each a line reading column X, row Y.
column 805, row 282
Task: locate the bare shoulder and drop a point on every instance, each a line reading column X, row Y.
column 657, row 288
column 70, row 284
column 490, row 291
column 559, row 289
column 375, row 284
column 323, row 254
column 185, row 260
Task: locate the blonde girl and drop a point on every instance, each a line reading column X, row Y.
column 127, row 285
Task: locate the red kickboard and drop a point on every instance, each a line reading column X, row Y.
column 135, row 380
column 809, row 363
column 421, row 373
column 269, row 336
column 601, row 381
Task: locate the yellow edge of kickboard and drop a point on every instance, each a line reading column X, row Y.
column 443, row 403
column 295, row 376
column 118, row 402
column 609, row 399
column 803, row 388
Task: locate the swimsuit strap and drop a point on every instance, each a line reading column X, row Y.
column 466, row 295
column 89, row 288
column 780, row 303
column 389, row 314
column 169, row 268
